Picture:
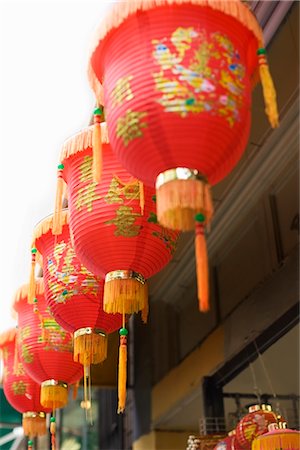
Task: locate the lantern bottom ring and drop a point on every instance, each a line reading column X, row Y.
column 179, row 173
column 88, row 330
column 33, row 414
column 124, row 275
column 53, row 382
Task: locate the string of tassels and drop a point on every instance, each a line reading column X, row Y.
column 269, row 91
column 31, row 288
column 57, row 217
column 53, row 431
column 97, row 146
column 122, row 376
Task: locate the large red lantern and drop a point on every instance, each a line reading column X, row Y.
column 113, row 226
column 175, row 77
column 45, row 349
column 254, row 424
column 228, row 443
column 278, row 437
column 20, row 390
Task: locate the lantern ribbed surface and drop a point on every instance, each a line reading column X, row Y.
column 254, row 424
column 20, row 390
column 177, row 89
column 74, row 295
column 229, row 443
column 45, row 349
column 109, row 229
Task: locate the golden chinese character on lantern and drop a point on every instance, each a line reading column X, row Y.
column 19, row 387
column 130, row 126
column 125, row 222
column 122, row 92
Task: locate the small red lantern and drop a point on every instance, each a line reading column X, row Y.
column 254, row 424
column 113, row 227
column 175, row 77
column 75, row 296
column 21, row 391
column 278, row 437
column 45, row 349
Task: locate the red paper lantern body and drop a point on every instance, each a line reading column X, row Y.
column 110, row 232
column 254, row 424
column 45, row 348
column 74, row 295
column 229, row 443
column 21, row 391
column 177, row 90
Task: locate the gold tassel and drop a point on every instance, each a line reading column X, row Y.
column 202, row 268
column 97, row 146
column 128, row 295
column 60, row 189
column 269, row 91
column 145, row 311
column 142, row 197
column 54, row 395
column 87, row 393
column 122, row 376
column 90, row 346
column 75, row 390
column 34, row 424
column 31, row 287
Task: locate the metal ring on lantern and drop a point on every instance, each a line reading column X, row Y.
column 88, row 330
column 180, row 173
column 33, row 414
column 53, row 382
column 124, row 275
column 255, row 408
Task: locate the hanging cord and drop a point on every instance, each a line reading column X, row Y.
column 266, row 373
column 256, row 389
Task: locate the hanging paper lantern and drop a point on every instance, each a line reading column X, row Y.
column 254, row 424
column 278, row 437
column 45, row 349
column 228, row 443
column 113, row 225
column 175, row 77
column 20, row 390
column 75, row 296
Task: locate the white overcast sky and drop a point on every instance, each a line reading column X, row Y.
column 45, row 97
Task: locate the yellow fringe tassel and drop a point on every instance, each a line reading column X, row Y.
column 283, row 440
column 145, row 311
column 90, row 348
column 142, row 197
column 60, row 189
column 31, row 287
column 34, row 426
column 87, row 393
column 269, row 91
column 122, row 377
column 124, row 296
column 54, row 396
column 202, row 269
column 97, row 149
column 179, row 201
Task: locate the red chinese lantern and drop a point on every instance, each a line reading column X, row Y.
column 113, row 226
column 175, row 77
column 278, row 437
column 45, row 349
column 74, row 295
column 254, row 424
column 20, row 390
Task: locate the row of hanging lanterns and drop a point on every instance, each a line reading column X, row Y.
column 173, row 79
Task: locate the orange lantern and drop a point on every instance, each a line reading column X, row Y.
column 21, row 391
column 277, row 437
column 175, row 77
column 75, row 296
column 113, row 227
column 45, row 349
column 254, row 424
